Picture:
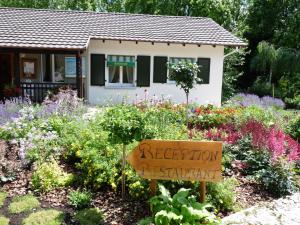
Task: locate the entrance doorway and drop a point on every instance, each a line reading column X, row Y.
column 5, row 72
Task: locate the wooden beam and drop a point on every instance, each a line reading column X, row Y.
column 47, row 68
column 79, row 81
column 17, row 69
column 39, row 51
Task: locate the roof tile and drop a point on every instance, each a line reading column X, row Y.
column 34, row 28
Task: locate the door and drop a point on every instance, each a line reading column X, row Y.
column 5, row 71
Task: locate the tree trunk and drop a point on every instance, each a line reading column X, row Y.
column 187, row 113
column 123, row 171
column 270, row 77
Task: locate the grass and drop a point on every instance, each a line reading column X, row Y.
column 23, row 204
column 3, row 196
column 45, row 217
column 91, row 216
column 4, row 220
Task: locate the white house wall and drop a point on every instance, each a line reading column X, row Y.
column 203, row 94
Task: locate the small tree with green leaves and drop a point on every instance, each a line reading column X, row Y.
column 185, row 74
column 125, row 124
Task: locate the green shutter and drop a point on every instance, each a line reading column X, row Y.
column 204, row 64
column 98, row 69
column 160, row 69
column 143, row 71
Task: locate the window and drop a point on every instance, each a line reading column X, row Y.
column 65, row 67
column 121, row 70
column 175, row 60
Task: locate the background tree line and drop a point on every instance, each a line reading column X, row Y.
column 269, row 65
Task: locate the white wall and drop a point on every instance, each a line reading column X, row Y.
column 203, row 94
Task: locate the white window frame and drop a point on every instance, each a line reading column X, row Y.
column 121, row 84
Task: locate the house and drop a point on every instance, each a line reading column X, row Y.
column 107, row 56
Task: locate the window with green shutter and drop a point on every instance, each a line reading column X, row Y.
column 97, row 69
column 160, row 69
column 143, row 71
column 204, row 73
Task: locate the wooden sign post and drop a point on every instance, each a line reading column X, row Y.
column 178, row 160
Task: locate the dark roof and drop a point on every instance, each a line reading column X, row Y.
column 57, row 29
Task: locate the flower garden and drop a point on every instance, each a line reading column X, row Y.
column 61, row 162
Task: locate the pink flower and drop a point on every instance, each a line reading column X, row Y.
column 276, row 143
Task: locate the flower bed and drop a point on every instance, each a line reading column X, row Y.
column 57, row 148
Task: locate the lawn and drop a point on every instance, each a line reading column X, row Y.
column 65, row 164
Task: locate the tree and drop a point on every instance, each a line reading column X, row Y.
column 185, row 74
column 125, row 124
column 266, row 59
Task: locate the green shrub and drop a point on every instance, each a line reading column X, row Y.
column 3, row 196
column 182, row 208
column 293, row 128
column 45, row 217
column 138, row 187
column 92, row 216
column 278, row 178
column 80, row 199
column 125, row 124
column 23, row 204
column 221, row 195
column 266, row 116
column 4, row 220
column 49, row 176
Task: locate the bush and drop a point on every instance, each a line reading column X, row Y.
column 80, row 199
column 221, row 195
column 278, row 179
column 179, row 209
column 293, row 128
column 49, row 176
column 92, row 216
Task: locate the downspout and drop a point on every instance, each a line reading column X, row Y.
column 232, row 52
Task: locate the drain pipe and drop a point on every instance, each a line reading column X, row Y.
column 232, row 52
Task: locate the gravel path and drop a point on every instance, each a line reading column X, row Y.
column 284, row 211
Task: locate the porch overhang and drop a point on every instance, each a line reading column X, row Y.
column 15, row 55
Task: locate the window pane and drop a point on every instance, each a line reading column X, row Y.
column 59, row 68
column 127, row 75
column 114, row 74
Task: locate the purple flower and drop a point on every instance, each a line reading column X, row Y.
column 245, row 100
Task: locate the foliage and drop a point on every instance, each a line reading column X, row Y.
column 185, row 75
column 4, row 220
column 125, row 124
column 80, row 199
column 232, row 71
column 23, row 204
column 138, row 187
column 293, row 128
column 179, row 209
column 98, row 161
column 278, row 178
column 48, row 176
column 91, row 216
column 3, row 196
column 43, row 217
column 221, row 195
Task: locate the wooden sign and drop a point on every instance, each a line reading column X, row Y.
column 177, row 160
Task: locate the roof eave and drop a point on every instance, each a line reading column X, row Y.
column 240, row 44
